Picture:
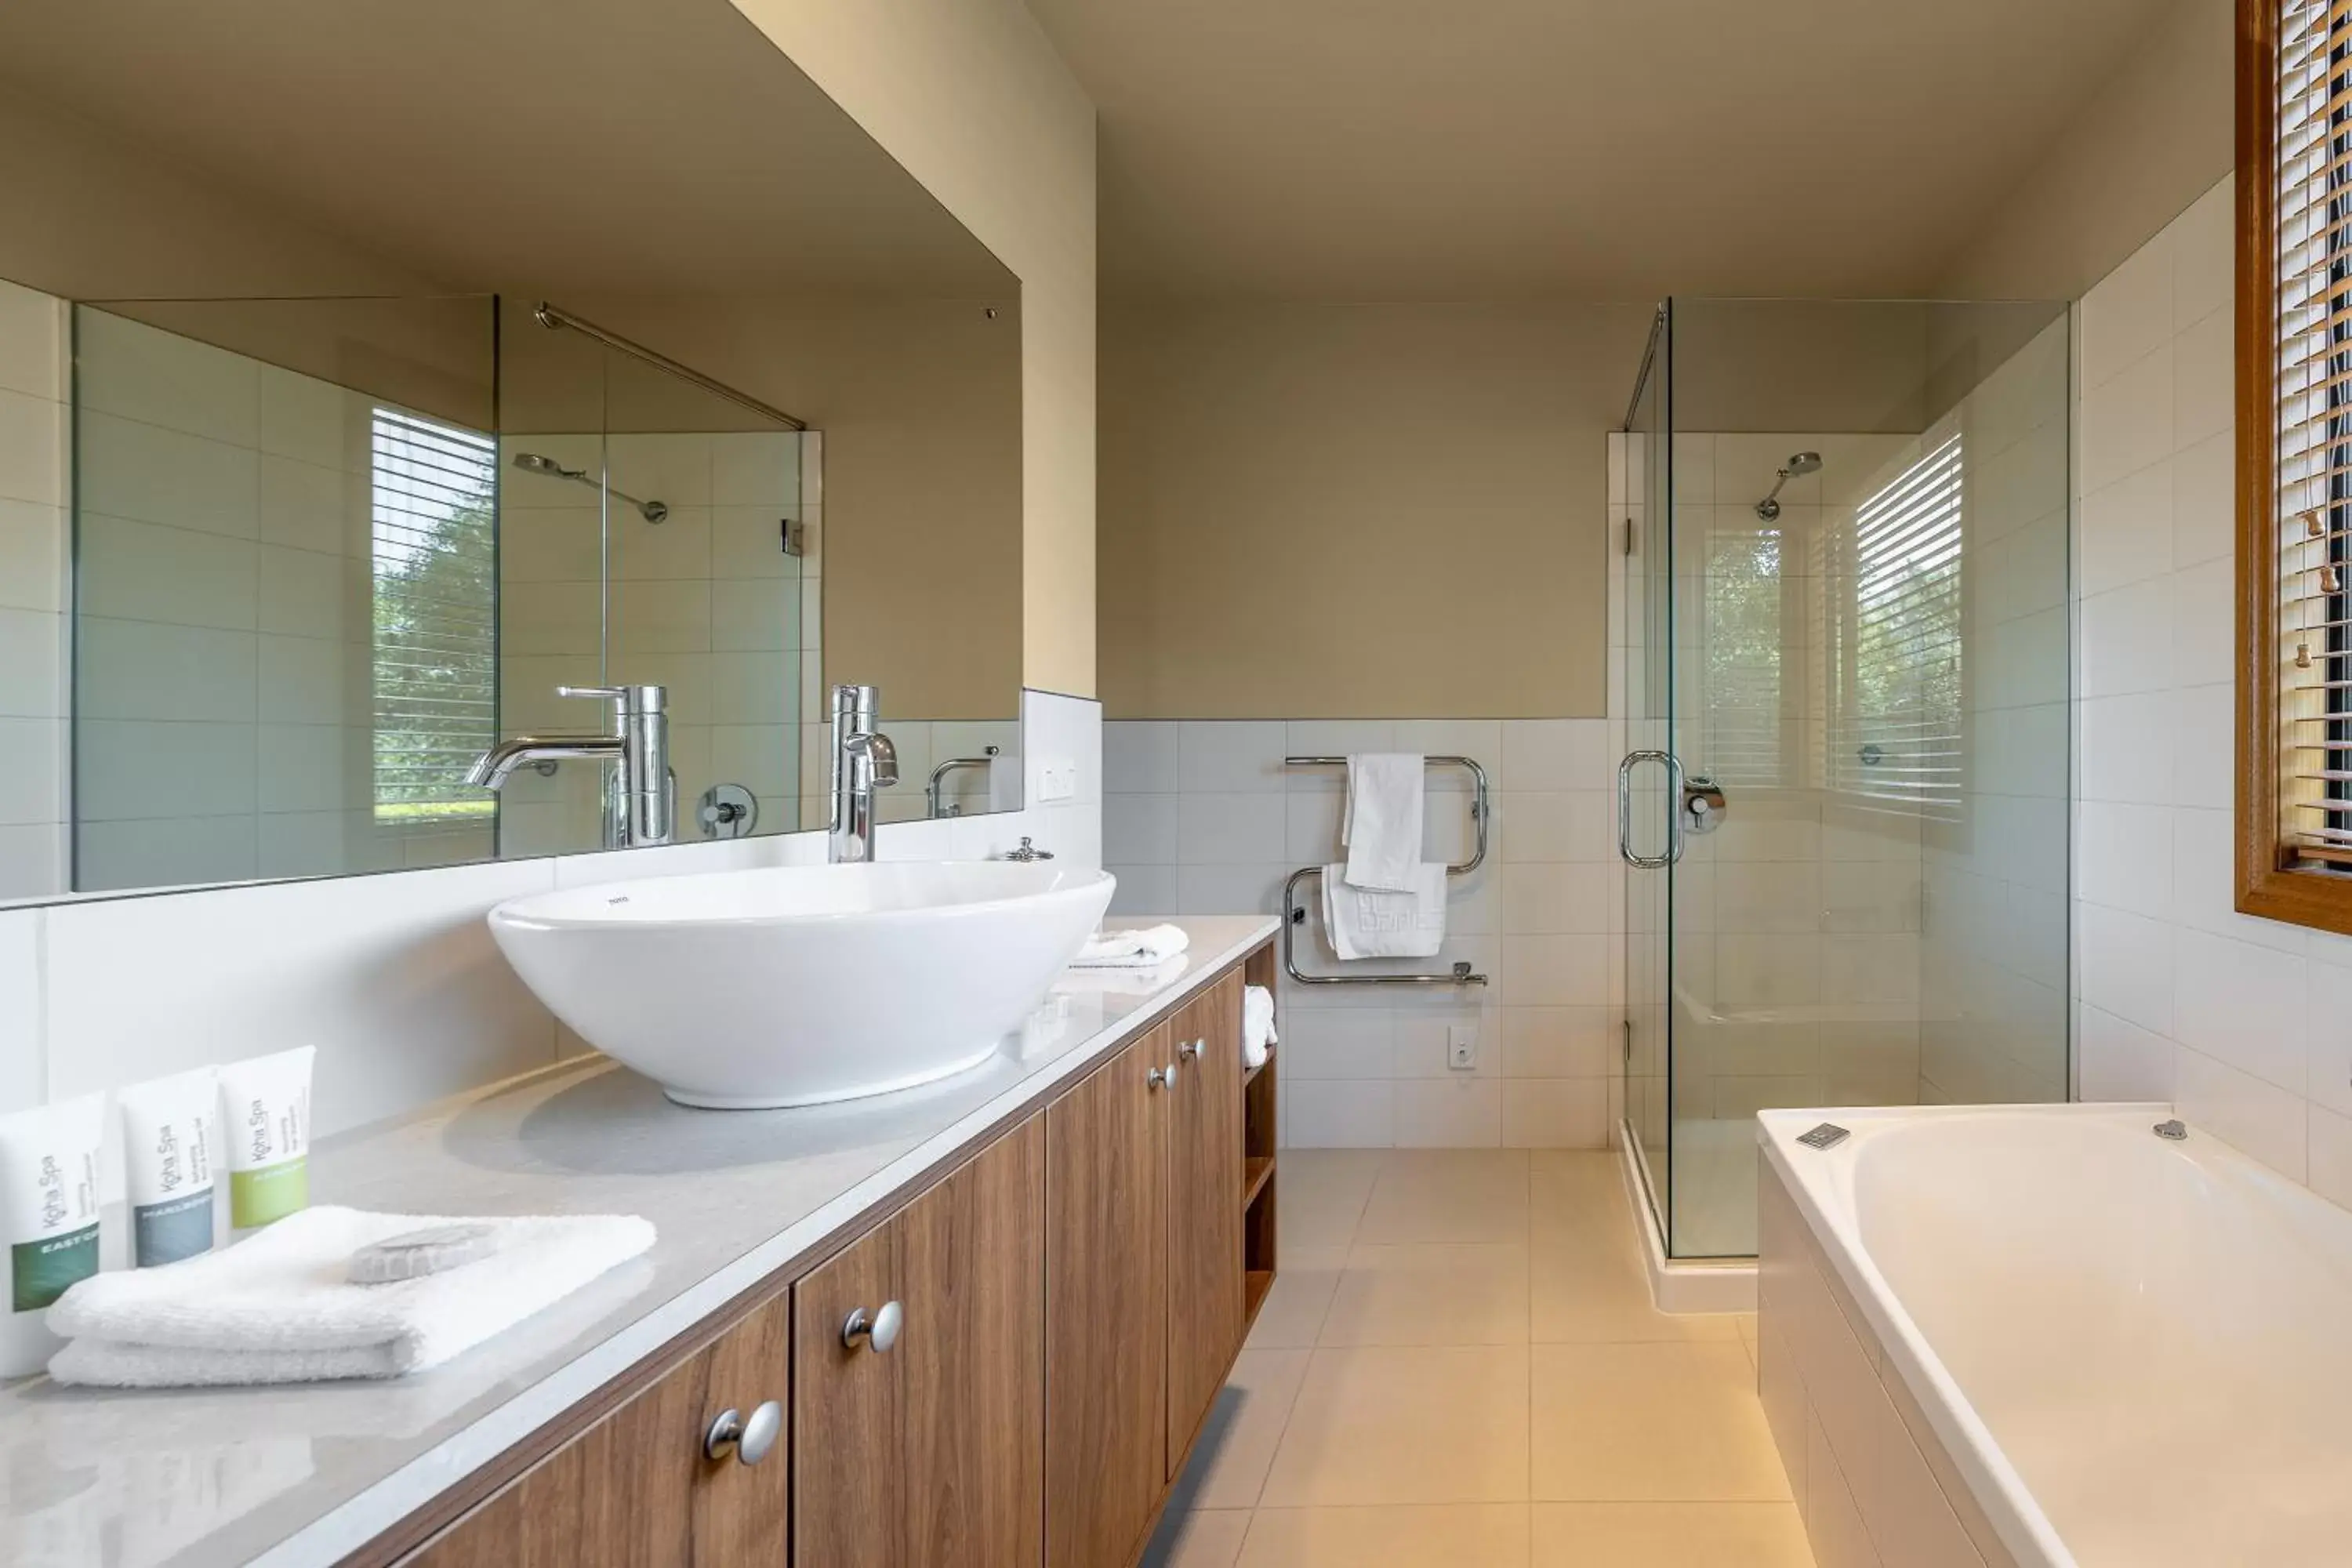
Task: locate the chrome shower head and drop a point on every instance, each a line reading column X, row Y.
column 1769, row 507
column 537, row 463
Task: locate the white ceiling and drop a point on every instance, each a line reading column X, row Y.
column 585, row 146
column 1483, row 149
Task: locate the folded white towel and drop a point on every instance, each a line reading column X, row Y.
column 1258, row 1024
column 1146, row 947
column 280, row 1306
column 1370, row 923
column 1386, row 793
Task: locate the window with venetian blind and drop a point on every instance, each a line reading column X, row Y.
column 2294, row 502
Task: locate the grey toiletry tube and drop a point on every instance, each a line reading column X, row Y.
column 171, row 1149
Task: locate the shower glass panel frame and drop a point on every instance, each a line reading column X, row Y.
column 1847, row 578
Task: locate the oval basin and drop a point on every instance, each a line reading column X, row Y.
column 798, row 985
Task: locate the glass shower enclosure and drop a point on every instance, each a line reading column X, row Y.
column 1844, row 671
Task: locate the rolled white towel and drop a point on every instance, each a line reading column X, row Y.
column 279, row 1307
column 1258, row 1024
column 1146, row 947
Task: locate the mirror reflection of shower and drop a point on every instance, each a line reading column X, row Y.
column 1769, row 508
column 652, row 511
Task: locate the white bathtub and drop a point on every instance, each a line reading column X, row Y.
column 2134, row 1352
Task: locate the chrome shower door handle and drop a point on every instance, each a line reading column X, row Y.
column 1673, row 850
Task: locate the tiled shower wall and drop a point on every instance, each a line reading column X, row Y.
column 1203, row 818
column 2244, row 1024
column 34, row 471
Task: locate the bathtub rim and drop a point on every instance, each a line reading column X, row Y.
column 1813, row 1179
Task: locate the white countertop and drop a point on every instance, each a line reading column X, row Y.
column 303, row 1475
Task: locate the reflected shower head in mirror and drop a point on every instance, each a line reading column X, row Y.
column 532, row 462
column 1801, row 463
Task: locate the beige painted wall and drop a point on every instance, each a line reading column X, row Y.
column 2145, row 146
column 971, row 98
column 1359, row 511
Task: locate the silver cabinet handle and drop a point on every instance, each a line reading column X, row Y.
column 749, row 1441
column 1160, row 1078
column 880, row 1331
column 1190, row 1050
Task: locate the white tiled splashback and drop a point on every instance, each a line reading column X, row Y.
column 393, row 977
column 2245, row 1024
column 1203, row 817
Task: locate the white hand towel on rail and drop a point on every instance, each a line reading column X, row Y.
column 279, row 1307
column 1386, row 793
column 1376, row 922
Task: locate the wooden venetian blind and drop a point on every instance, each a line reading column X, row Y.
column 2311, row 398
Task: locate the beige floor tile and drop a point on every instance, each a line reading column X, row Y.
column 1209, row 1539
column 1301, row 1296
column 1588, row 1284
column 1650, row 1423
column 1429, row 1294
column 1566, row 1181
column 1465, row 1196
column 1322, row 1193
column 1488, row 1535
column 1238, row 1441
column 1669, row 1535
column 1406, row 1425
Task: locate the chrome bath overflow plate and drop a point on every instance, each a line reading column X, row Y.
column 1828, row 1135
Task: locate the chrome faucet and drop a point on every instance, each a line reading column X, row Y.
column 864, row 761
column 638, row 791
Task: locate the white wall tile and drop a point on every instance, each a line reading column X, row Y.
column 2120, row 1060
column 1231, row 829
column 1456, row 1113
column 2130, row 312
column 1341, row 1114
column 1140, row 829
column 2124, row 857
column 1238, row 757
column 23, row 1069
column 2253, row 1116
column 1140, row 758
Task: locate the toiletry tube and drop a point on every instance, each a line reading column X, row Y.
column 48, row 1200
column 169, row 1147
column 267, row 1132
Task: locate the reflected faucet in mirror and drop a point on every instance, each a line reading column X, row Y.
column 935, row 800
column 864, row 761
column 637, row 792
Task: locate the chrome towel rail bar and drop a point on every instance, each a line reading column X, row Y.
column 1295, row 912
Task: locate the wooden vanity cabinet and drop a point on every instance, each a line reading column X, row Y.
column 1069, row 1301
column 928, row 1453
column 633, row 1491
column 1106, row 1306
column 1204, row 1210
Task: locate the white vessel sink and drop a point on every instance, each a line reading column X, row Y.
column 801, row 985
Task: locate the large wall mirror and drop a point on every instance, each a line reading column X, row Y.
column 367, row 378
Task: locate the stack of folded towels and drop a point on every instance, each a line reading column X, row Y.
column 284, row 1307
column 1384, row 901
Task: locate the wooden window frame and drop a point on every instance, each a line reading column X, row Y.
column 2271, row 883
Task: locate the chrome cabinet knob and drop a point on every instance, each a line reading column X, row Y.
column 749, row 1441
column 1190, row 1050
column 1160, row 1078
column 879, row 1332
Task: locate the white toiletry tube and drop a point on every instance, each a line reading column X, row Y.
column 169, row 1147
column 266, row 1132
column 48, row 1198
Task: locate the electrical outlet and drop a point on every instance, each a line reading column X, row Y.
column 1462, row 1047
column 1057, row 778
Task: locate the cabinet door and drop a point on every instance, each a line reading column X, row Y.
column 1204, row 1209
column 971, row 1270
column 635, row 1490
column 1106, row 1308
column 847, row 1410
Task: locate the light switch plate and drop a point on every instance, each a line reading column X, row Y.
column 1057, row 778
column 1462, row 1046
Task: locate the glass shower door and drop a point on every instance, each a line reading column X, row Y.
column 1643, row 484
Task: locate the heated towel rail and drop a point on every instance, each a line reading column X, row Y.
column 1295, row 912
